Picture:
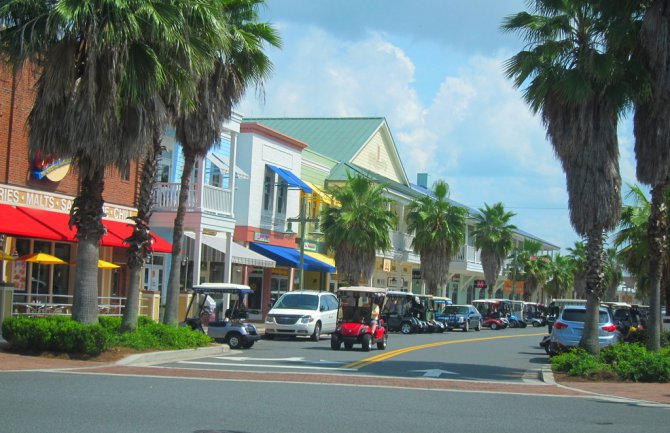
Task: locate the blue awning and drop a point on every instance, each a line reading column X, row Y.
column 290, row 178
column 291, row 257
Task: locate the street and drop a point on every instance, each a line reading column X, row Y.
column 487, row 380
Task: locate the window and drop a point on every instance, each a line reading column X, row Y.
column 281, row 197
column 332, row 302
column 164, row 163
column 124, row 172
column 267, row 191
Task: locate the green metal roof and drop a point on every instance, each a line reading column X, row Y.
column 339, row 173
column 337, row 138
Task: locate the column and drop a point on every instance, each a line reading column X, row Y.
column 228, row 260
column 197, row 252
column 233, row 163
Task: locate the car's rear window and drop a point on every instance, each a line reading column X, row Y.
column 453, row 309
column 570, row 315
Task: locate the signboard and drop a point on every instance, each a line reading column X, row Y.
column 261, row 237
column 16, row 196
column 386, row 265
column 480, row 284
column 51, row 168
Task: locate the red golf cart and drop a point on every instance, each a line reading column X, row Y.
column 354, row 312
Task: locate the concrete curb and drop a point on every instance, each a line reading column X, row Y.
column 547, row 376
column 172, row 355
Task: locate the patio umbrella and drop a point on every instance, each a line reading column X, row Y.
column 102, row 264
column 41, row 259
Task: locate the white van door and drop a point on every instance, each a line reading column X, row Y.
column 330, row 315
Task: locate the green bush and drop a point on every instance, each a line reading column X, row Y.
column 577, row 362
column 62, row 334
column 57, row 333
column 633, row 362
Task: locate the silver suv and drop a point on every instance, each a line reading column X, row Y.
column 569, row 326
column 305, row 312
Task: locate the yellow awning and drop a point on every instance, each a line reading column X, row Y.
column 323, row 196
column 321, row 257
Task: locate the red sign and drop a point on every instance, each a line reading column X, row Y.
column 480, row 284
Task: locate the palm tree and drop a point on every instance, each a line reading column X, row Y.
column 613, row 274
column 560, row 276
column 652, row 139
column 531, row 266
column 359, row 228
column 576, row 82
column 493, row 236
column 89, row 97
column 578, row 262
column 439, row 232
column 242, row 63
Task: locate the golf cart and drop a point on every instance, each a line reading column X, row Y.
column 354, row 313
column 428, row 313
column 228, row 327
column 402, row 312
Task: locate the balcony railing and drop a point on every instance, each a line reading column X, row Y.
column 468, row 254
column 401, row 241
column 214, row 199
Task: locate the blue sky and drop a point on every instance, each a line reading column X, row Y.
column 433, row 68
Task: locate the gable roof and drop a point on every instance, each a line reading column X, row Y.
column 337, row 138
column 339, row 173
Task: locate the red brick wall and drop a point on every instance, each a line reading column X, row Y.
column 16, row 99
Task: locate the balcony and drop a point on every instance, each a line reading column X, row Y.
column 208, row 199
column 401, row 241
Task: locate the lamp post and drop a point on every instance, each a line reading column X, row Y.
column 302, row 219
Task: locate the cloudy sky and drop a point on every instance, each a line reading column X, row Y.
column 433, row 69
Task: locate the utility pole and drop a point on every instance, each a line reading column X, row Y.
column 302, row 219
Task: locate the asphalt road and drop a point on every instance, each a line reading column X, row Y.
column 93, row 403
column 509, row 355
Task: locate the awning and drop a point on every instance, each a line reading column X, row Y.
column 223, row 164
column 290, row 178
column 116, row 231
column 322, row 257
column 240, row 255
column 323, row 196
column 13, row 222
column 291, row 257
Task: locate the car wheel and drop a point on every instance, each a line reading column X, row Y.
column 479, row 326
column 406, row 328
column 523, row 324
column 494, row 325
column 248, row 345
column 348, row 345
column 366, row 341
column 536, row 324
column 466, row 326
column 234, row 340
column 316, row 335
column 335, row 342
column 382, row 344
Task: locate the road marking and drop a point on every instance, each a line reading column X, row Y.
column 303, row 367
column 393, row 353
column 435, row 372
column 293, row 359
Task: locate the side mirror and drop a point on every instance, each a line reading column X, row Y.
column 322, row 308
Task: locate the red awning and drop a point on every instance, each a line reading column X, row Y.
column 117, row 231
column 13, row 222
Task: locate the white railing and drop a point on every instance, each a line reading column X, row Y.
column 468, row 253
column 401, row 241
column 214, row 199
column 61, row 305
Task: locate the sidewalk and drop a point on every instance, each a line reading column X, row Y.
column 141, row 364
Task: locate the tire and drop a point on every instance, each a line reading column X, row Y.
column 382, row 344
column 523, row 324
column 494, row 326
column 248, row 345
column 466, row 326
column 316, row 335
column 348, row 345
column 366, row 341
column 479, row 326
column 406, row 328
column 335, row 342
column 234, row 340
column 536, row 324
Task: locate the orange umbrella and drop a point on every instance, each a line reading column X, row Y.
column 102, row 264
column 42, row 259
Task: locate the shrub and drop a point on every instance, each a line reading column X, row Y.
column 634, row 362
column 163, row 337
column 577, row 362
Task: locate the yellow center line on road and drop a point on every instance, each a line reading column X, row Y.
column 393, row 353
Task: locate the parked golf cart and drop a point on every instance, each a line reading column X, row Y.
column 427, row 314
column 354, row 313
column 440, row 303
column 402, row 313
column 228, row 327
column 492, row 313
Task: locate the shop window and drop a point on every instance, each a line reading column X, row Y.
column 267, row 190
column 124, row 171
column 62, row 274
column 282, row 192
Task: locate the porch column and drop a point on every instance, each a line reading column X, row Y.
column 231, row 174
column 197, row 252
column 267, row 295
column 200, row 184
column 291, row 278
column 228, row 259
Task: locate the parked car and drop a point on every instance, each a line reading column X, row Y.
column 302, row 313
column 569, row 327
column 463, row 317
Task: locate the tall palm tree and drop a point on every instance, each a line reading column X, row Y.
column 240, row 64
column 493, row 236
column 652, row 141
column 534, row 268
column 576, row 82
column 97, row 69
column 560, row 276
column 359, row 228
column 439, row 232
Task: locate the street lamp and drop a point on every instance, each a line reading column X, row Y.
column 302, row 219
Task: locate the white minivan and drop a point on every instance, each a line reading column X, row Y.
column 305, row 312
